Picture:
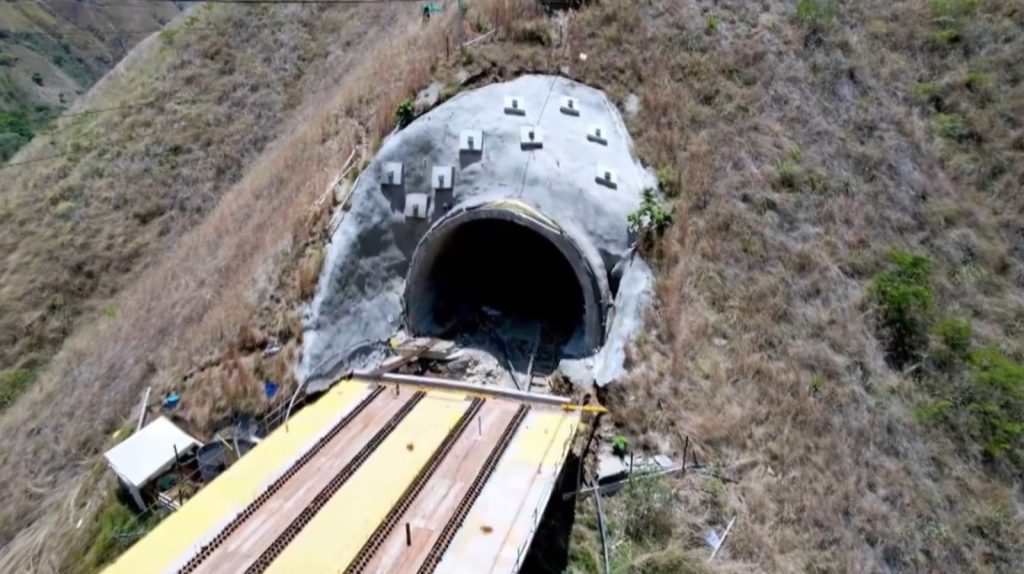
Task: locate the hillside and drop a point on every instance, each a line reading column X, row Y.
column 53, row 51
column 839, row 314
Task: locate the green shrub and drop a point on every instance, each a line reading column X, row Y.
column 931, row 411
column 667, row 181
column 945, row 37
column 948, row 17
column 620, row 446
column 817, row 383
column 650, row 509
column 952, row 342
column 815, row 15
column 927, row 93
column 790, row 168
column 904, row 298
column 711, row 22
column 405, row 112
column 37, row 78
column 997, row 387
column 115, row 527
column 650, row 220
column 951, row 126
column 980, row 83
column 943, row 9
column 13, row 383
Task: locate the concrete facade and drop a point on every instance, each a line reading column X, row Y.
column 567, row 182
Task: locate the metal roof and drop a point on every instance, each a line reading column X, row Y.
column 148, row 452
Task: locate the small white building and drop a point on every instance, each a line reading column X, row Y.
column 147, row 454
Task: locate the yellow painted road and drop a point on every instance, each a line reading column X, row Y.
column 182, row 533
column 333, row 538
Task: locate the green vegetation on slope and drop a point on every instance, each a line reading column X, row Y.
column 188, row 227
column 50, row 53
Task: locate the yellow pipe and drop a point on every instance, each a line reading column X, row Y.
column 585, row 408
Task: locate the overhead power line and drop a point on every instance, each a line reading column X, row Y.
column 35, row 160
column 99, row 32
column 144, row 2
column 52, row 130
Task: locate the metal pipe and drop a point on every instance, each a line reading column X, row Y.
column 436, row 382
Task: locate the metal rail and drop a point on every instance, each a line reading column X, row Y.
column 459, row 386
column 384, row 529
column 320, row 500
column 267, row 494
column 459, row 516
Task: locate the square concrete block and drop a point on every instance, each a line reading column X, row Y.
column 570, row 106
column 514, row 105
column 607, row 177
column 597, row 134
column 418, row 206
column 392, row 173
column 442, row 177
column 471, row 141
column 530, row 137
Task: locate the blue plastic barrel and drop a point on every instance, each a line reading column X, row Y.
column 171, row 400
column 270, row 389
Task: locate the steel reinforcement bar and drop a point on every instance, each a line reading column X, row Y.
column 459, row 516
column 275, row 486
column 320, row 500
column 384, row 529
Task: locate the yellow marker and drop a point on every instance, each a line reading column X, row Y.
column 585, row 408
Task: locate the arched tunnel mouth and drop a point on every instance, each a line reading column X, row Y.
column 504, row 277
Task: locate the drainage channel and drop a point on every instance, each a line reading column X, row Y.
column 459, row 516
column 288, row 535
column 388, row 524
column 276, row 486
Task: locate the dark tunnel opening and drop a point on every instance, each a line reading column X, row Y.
column 502, row 274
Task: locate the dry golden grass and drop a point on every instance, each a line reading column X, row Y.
column 193, row 299
column 76, row 230
column 802, row 159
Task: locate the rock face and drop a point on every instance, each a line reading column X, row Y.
column 506, row 206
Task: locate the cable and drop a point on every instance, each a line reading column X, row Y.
column 148, row 3
column 43, row 159
column 92, row 111
column 16, row 34
column 144, row 2
column 126, row 106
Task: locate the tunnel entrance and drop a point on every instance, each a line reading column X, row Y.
column 496, row 271
column 504, row 276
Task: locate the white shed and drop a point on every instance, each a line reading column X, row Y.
column 147, row 454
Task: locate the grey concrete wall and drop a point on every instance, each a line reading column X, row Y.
column 358, row 303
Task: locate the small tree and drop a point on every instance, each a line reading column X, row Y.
column 620, row 446
column 650, row 220
column 404, row 113
column 904, row 299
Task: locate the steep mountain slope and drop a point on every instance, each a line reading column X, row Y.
column 52, row 51
column 800, row 144
column 232, row 214
column 192, row 109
